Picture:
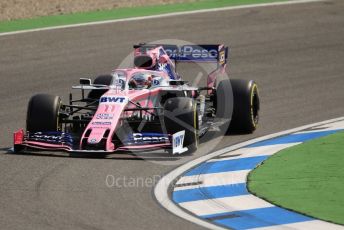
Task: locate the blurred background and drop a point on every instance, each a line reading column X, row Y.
column 18, row 9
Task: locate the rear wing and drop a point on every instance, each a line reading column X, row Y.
column 192, row 53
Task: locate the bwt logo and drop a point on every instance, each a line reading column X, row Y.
column 112, row 99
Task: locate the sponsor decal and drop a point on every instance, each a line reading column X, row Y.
column 101, row 123
column 115, row 100
column 51, row 137
column 92, row 141
column 156, row 82
column 189, row 52
column 104, row 116
column 177, row 142
column 192, row 52
column 167, row 69
column 162, row 66
column 222, row 57
column 46, row 137
column 147, row 138
column 121, row 82
column 198, row 52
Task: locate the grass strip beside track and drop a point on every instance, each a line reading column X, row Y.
column 119, row 13
column 307, row 178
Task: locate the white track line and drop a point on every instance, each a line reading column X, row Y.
column 213, row 179
column 326, row 127
column 313, row 225
column 162, row 189
column 163, row 16
column 254, row 152
column 224, row 205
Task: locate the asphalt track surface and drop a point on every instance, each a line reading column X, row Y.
column 294, row 52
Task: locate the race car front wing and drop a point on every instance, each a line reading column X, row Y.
column 62, row 141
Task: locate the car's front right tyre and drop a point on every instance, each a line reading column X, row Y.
column 43, row 113
column 181, row 114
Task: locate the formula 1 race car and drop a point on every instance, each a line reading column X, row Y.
column 146, row 107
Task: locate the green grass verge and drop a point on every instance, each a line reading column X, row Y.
column 307, row 178
column 120, row 13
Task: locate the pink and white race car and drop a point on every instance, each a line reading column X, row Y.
column 146, row 107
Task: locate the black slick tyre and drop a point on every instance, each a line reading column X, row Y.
column 181, row 114
column 246, row 106
column 43, row 113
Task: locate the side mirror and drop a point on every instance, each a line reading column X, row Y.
column 144, row 61
column 85, row 81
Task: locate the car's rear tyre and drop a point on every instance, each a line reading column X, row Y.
column 246, row 106
column 43, row 113
column 100, row 80
column 181, row 114
column 237, row 101
column 224, row 102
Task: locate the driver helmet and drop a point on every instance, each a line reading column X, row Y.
column 141, row 81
